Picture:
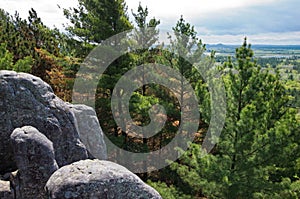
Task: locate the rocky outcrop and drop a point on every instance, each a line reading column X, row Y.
column 26, row 100
column 89, row 130
column 97, row 179
column 40, row 133
column 34, row 155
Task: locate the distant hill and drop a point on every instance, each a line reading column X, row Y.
column 255, row 46
column 260, row 50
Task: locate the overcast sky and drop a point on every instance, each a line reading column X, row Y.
column 216, row 21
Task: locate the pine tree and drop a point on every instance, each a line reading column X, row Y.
column 259, row 146
column 95, row 21
column 146, row 31
column 29, row 46
column 182, row 55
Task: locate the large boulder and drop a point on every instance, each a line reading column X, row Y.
column 89, row 130
column 34, row 155
column 25, row 100
column 97, row 179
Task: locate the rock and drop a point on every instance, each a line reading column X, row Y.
column 89, row 130
column 5, row 190
column 26, row 100
column 97, row 179
column 5, row 176
column 34, row 155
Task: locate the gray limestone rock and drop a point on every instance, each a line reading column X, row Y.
column 97, row 179
column 5, row 190
column 34, row 155
column 89, row 130
column 26, row 100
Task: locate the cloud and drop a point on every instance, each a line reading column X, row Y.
column 48, row 11
column 276, row 17
column 194, row 11
column 191, row 8
column 230, row 19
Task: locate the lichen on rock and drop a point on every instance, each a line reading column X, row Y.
column 97, row 179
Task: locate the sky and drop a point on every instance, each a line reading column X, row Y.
column 216, row 21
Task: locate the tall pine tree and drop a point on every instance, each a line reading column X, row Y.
column 95, row 21
column 258, row 151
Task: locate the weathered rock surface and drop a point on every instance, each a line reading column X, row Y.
column 34, row 155
column 26, row 100
column 5, row 190
column 40, row 133
column 97, row 179
column 89, row 130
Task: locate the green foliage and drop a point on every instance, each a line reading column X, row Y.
column 95, row 21
column 260, row 132
column 140, row 99
column 6, row 61
column 258, row 153
column 168, row 192
column 140, row 105
column 24, row 37
column 29, row 46
column 293, row 88
column 6, row 58
column 23, row 65
column 146, row 32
